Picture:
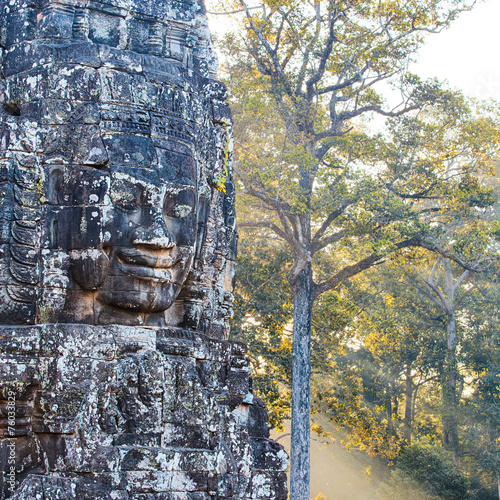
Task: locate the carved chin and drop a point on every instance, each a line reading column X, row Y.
column 151, row 299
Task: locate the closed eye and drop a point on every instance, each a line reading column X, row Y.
column 126, row 208
column 179, row 204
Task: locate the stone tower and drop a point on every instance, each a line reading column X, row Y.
column 117, row 248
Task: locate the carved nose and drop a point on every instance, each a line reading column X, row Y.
column 155, row 236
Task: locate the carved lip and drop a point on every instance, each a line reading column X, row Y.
column 138, row 257
column 143, row 265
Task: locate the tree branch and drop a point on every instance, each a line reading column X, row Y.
column 277, row 207
column 268, row 225
column 443, row 303
column 417, row 196
column 326, row 223
column 229, row 12
column 272, row 53
column 310, row 84
column 319, row 245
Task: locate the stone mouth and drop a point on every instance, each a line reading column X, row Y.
column 143, row 266
column 141, row 258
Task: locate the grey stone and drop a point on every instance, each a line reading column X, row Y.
column 117, row 250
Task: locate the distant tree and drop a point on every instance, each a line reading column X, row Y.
column 447, row 294
column 401, row 328
column 401, row 340
column 350, row 395
column 482, row 358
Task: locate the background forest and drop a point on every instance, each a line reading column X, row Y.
column 368, row 222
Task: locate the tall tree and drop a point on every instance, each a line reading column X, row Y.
column 447, row 293
column 302, row 78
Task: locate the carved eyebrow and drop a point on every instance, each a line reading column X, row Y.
column 124, row 192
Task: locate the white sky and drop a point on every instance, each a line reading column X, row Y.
column 465, row 54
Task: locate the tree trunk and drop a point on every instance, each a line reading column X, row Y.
column 388, row 409
column 301, row 385
column 450, row 406
column 407, row 422
column 395, row 415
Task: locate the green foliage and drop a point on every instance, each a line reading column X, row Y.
column 338, row 394
column 262, row 312
column 426, row 472
column 481, row 427
column 400, row 327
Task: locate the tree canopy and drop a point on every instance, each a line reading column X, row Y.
column 344, row 157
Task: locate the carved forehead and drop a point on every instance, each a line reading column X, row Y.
column 173, row 163
column 158, row 138
column 177, row 165
column 133, row 186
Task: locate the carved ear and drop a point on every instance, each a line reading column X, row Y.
column 89, row 267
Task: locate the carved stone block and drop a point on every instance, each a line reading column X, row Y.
column 117, row 251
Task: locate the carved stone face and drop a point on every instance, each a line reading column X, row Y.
column 148, row 236
column 150, row 241
column 103, row 207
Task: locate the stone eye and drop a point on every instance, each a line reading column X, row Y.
column 179, row 204
column 127, row 208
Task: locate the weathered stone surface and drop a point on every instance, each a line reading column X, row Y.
column 117, row 249
column 139, row 421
